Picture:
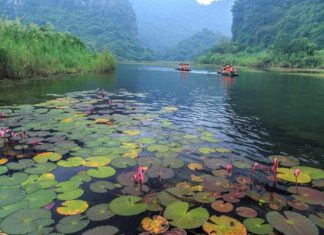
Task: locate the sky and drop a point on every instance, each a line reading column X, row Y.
column 206, row 2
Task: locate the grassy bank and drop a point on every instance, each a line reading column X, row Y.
column 29, row 51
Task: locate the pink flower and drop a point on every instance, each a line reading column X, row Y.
column 275, row 165
column 296, row 173
column 139, row 176
column 3, row 132
column 2, row 115
column 13, row 134
column 228, row 168
column 254, row 167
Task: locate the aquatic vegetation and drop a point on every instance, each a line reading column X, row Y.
column 87, row 174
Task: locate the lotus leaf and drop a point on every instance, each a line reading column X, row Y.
column 70, row 195
column 314, row 173
column 204, row 197
column 206, row 150
column 257, row 226
column 161, row 172
column 178, row 215
column 16, row 179
column 101, row 172
column 47, row 156
column 72, row 207
column 102, row 230
column 195, row 166
column 72, row 224
column 224, row 225
column 318, row 219
column 71, row 162
column 172, row 162
column 3, row 170
column 40, row 198
column 156, row 225
column 158, row 148
column 291, row 223
column 9, row 196
column 127, row 206
column 288, row 175
column 67, row 186
column 9, row 209
column 21, row 164
column 246, row 212
column 308, row 195
column 222, row 206
column 99, row 212
column 101, row 186
column 286, row 161
column 41, row 168
column 29, row 220
column 96, row 161
column 123, row 162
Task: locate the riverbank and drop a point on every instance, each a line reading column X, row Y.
column 28, row 51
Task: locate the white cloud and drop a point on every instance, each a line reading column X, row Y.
column 206, row 2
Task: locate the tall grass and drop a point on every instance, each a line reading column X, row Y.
column 30, row 50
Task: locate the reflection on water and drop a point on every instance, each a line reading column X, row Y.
column 256, row 114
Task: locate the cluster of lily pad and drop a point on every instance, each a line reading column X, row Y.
column 71, row 162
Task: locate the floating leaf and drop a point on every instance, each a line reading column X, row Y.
column 287, row 161
column 196, row 178
column 206, row 150
column 127, row 206
column 158, row 148
column 47, row 156
column 291, row 223
column 214, row 163
column 71, row 162
column 9, row 196
column 223, row 150
column 161, row 172
column 96, row 161
column 132, row 132
column 166, row 198
column 173, row 162
column 101, row 186
column 242, row 165
column 40, row 198
column 153, row 203
column 246, row 212
column 15, row 179
column 99, row 212
column 127, row 178
column 224, row 225
column 308, row 195
column 222, row 206
column 21, row 164
column 298, row 205
column 195, row 166
column 9, row 209
column 3, row 170
column 72, row 224
column 102, row 230
column 70, row 195
column 41, row 168
column 72, row 207
column 102, row 172
column 146, row 140
column 318, row 183
column 178, row 215
column 318, row 219
column 123, row 162
column 26, row 221
column 204, row 197
column 314, row 173
column 3, row 161
column 257, row 226
column 288, row 175
column 149, row 161
column 136, row 189
column 67, row 186
column 156, row 225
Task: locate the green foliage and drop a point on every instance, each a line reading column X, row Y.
column 101, row 24
column 29, row 50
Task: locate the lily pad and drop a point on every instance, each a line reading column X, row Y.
column 16, row 179
column 127, row 206
column 291, row 223
column 9, row 196
column 72, row 207
column 288, row 175
column 222, row 206
column 70, row 195
column 158, row 148
column 286, row 161
column 101, row 172
column 204, row 197
column 101, row 186
column 257, row 226
column 47, row 156
column 102, row 230
column 136, row 189
column 246, row 212
column 146, row 140
column 96, row 161
column 41, row 168
column 67, row 186
column 99, row 212
column 21, row 164
column 40, row 198
column 72, row 224
column 9, row 209
column 223, row 150
column 314, row 173
column 195, row 166
column 155, row 225
column 26, row 221
column 178, row 215
column 206, row 150
column 224, row 225
column 123, row 162
column 318, row 219
column 308, row 195
column 3, row 170
column 173, row 162
column 71, row 162
column 127, row 178
column 161, row 172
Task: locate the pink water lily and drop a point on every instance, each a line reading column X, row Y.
column 3, row 132
column 13, row 134
column 2, row 115
column 296, row 174
column 274, row 168
column 22, row 135
column 139, row 176
column 229, row 168
column 254, row 167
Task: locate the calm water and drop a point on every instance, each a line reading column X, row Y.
column 257, row 114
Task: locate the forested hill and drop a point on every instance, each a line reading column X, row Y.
column 163, row 24
column 260, row 23
column 100, row 23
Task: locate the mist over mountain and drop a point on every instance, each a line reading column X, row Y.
column 162, row 24
column 100, row 23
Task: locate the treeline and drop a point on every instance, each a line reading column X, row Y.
column 30, row 50
column 283, row 33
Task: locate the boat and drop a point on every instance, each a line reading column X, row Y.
column 228, row 70
column 183, row 67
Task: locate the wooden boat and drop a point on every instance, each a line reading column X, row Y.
column 228, row 74
column 183, row 67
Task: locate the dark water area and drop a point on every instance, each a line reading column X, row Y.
column 258, row 113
